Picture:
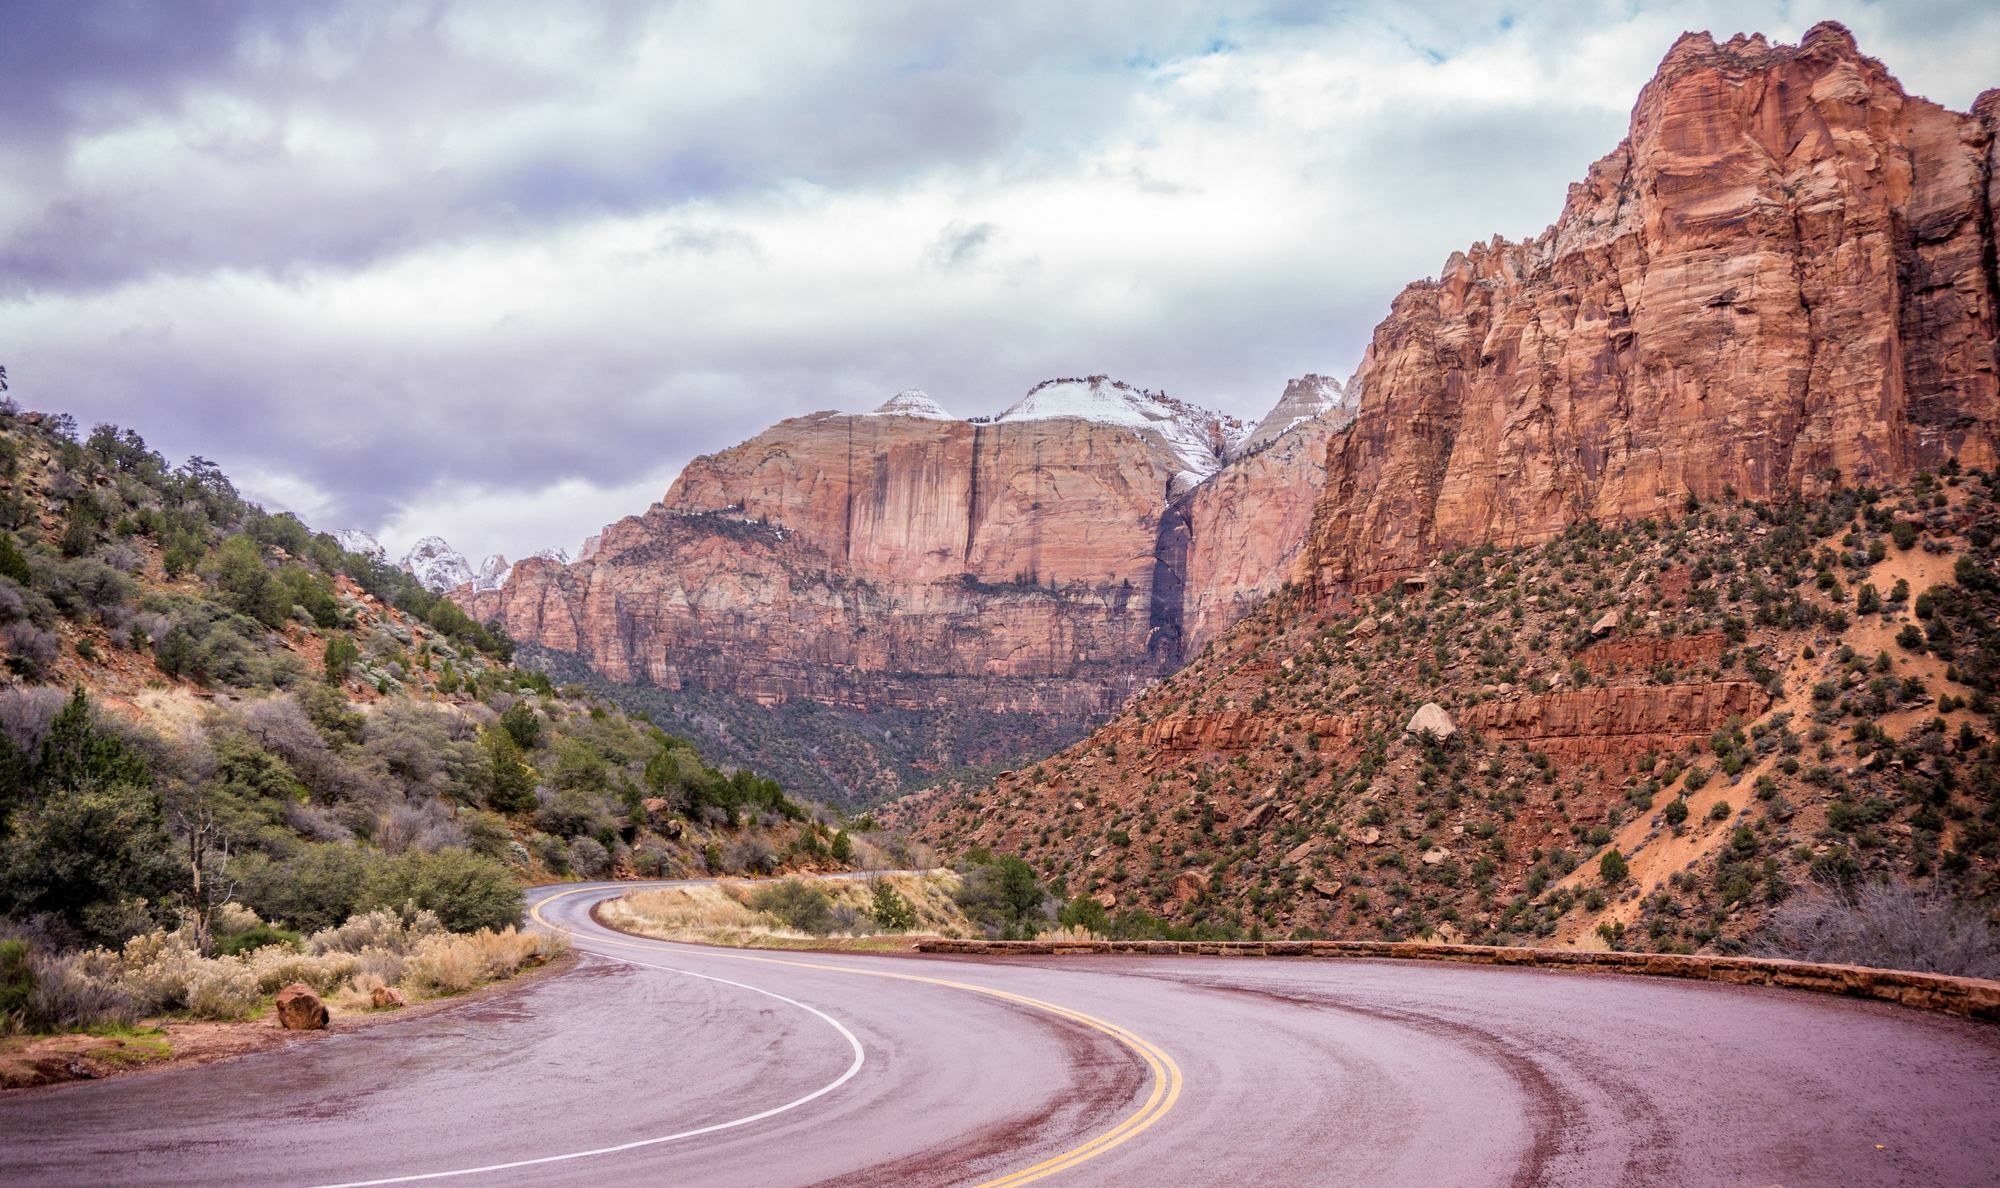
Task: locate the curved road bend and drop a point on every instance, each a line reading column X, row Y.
column 655, row 1062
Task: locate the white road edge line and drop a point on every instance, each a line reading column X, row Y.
column 860, row 1058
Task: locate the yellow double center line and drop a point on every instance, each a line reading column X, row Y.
column 1165, row 1074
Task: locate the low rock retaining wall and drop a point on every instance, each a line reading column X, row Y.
column 1974, row 998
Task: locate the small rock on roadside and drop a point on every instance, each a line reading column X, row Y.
column 387, row 998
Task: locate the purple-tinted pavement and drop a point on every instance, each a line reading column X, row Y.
column 663, row 1063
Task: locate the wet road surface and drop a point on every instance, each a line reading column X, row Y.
column 662, row 1063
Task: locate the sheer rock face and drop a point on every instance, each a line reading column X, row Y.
column 1247, row 525
column 1787, row 269
column 904, row 560
column 872, row 561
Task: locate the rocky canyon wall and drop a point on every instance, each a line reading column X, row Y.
column 905, row 560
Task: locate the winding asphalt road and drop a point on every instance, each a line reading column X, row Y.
column 664, row 1063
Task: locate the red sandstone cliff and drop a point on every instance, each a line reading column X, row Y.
column 1035, row 564
column 1783, row 282
column 862, row 560
column 1786, row 269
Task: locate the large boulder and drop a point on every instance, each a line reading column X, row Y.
column 1432, row 720
column 299, row 1009
column 387, row 998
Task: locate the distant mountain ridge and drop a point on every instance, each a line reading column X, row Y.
column 1006, row 580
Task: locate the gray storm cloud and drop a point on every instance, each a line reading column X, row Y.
column 497, row 270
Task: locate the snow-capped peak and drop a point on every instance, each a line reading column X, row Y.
column 492, row 573
column 1199, row 438
column 436, row 565
column 1306, row 398
column 354, row 540
column 912, row 402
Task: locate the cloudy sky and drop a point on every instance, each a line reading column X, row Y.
column 497, row 270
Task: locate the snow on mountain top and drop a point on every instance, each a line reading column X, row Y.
column 492, row 573
column 912, row 402
column 1306, row 398
column 1198, row 437
column 354, row 540
column 436, row 565
column 556, row 554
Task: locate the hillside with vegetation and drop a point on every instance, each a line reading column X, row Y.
column 1723, row 730
column 224, row 740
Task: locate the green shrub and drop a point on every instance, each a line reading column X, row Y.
column 1676, row 811
column 523, row 725
column 466, row 891
column 890, row 909
column 317, row 886
column 12, row 563
column 17, row 980
column 257, row 936
column 796, row 905
column 1002, row 895
column 1612, row 868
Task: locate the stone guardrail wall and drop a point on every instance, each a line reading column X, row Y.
column 1973, row 998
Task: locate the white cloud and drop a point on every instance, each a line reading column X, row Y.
column 480, row 519
column 545, row 255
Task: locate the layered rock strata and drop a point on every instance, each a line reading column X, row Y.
column 1785, row 273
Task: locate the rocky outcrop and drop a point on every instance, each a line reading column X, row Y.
column 1612, row 728
column 1307, row 398
column 1784, row 274
column 1246, row 526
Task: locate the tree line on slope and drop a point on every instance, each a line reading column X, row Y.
column 302, row 735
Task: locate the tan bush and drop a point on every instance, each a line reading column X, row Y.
column 452, row 964
column 379, row 929
column 66, row 996
column 278, row 966
column 224, row 989
column 233, row 918
column 359, row 992
column 157, row 969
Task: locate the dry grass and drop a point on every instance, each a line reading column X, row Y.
column 454, row 963
column 720, row 914
column 161, row 972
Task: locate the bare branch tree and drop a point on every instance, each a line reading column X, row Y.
column 205, row 848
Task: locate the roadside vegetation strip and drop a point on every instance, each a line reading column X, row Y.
column 1973, row 998
column 1163, row 1072
column 854, row 1043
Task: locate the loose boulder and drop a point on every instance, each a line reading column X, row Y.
column 299, row 1009
column 1605, row 625
column 387, row 998
column 1432, row 720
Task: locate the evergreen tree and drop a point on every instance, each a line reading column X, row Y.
column 12, row 563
